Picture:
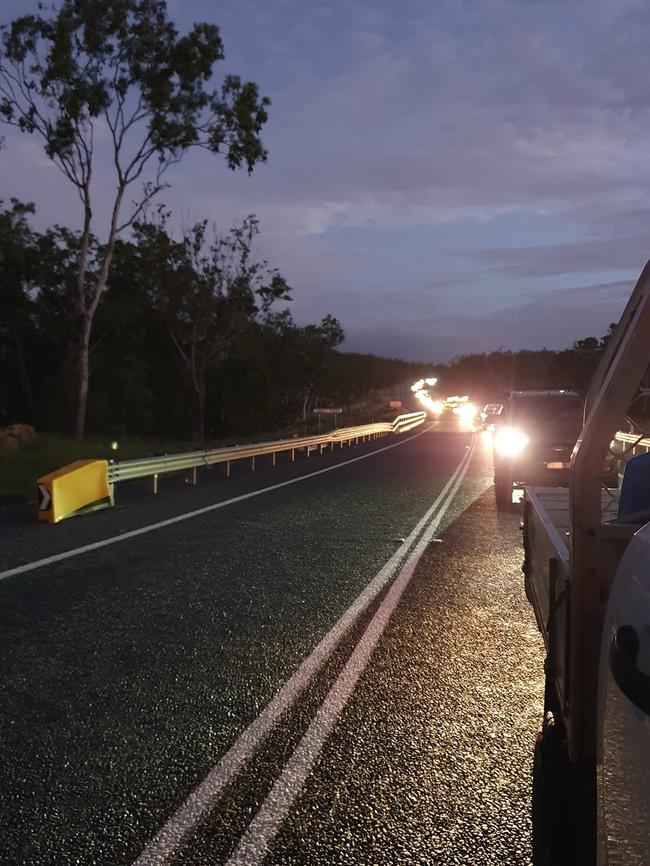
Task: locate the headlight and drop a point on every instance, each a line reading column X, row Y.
column 437, row 407
column 466, row 411
column 509, row 442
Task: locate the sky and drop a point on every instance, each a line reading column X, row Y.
column 444, row 176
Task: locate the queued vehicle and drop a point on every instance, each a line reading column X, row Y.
column 535, row 433
column 488, row 415
column 451, row 404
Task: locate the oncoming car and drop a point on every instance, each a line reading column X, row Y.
column 534, row 436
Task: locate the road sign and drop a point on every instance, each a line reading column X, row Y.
column 322, row 411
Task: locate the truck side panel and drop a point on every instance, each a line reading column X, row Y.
column 546, row 570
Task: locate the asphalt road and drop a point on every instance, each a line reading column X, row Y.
column 143, row 672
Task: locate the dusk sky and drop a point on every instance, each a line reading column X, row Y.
column 443, row 176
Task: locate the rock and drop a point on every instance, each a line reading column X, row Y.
column 7, row 442
column 22, row 432
column 14, row 435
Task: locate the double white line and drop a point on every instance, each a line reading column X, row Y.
column 255, row 842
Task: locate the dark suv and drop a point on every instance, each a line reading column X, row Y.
column 533, row 440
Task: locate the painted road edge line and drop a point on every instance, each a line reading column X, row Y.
column 143, row 530
column 200, row 802
column 254, row 844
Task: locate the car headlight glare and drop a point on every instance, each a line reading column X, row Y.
column 509, row 442
column 467, row 411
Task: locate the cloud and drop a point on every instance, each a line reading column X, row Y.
column 456, row 117
column 441, row 112
column 593, row 256
column 553, row 321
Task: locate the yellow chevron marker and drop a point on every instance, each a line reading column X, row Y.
column 72, row 488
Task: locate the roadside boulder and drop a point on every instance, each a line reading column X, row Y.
column 7, row 442
column 14, row 435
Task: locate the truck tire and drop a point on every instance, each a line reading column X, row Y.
column 551, row 812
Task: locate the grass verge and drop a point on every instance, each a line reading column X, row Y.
column 19, row 469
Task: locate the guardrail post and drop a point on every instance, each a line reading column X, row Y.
column 227, row 468
column 155, row 482
column 252, row 464
column 293, row 455
column 273, row 458
column 194, row 476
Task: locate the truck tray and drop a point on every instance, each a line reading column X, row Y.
column 554, row 501
column 546, row 565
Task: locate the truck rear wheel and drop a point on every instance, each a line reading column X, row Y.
column 551, row 811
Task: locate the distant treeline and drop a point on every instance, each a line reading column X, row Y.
column 187, row 339
column 489, row 376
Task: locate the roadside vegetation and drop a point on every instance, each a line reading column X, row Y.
column 20, row 467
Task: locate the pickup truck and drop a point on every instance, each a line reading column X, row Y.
column 534, row 437
column 587, row 575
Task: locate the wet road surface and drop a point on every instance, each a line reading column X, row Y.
column 131, row 671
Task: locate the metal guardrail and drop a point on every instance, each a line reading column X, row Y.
column 637, row 442
column 626, row 445
column 153, row 467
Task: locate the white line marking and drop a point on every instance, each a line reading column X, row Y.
column 133, row 533
column 254, row 844
column 164, row 846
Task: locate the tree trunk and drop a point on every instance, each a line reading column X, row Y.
column 86, row 309
column 199, row 390
column 83, row 376
column 24, row 377
column 305, row 405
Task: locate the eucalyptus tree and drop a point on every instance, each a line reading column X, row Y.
column 210, row 286
column 117, row 71
column 306, row 360
column 315, row 352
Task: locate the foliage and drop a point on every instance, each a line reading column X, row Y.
column 493, row 374
column 201, row 305
column 208, row 289
column 17, row 265
column 19, row 469
column 120, row 67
